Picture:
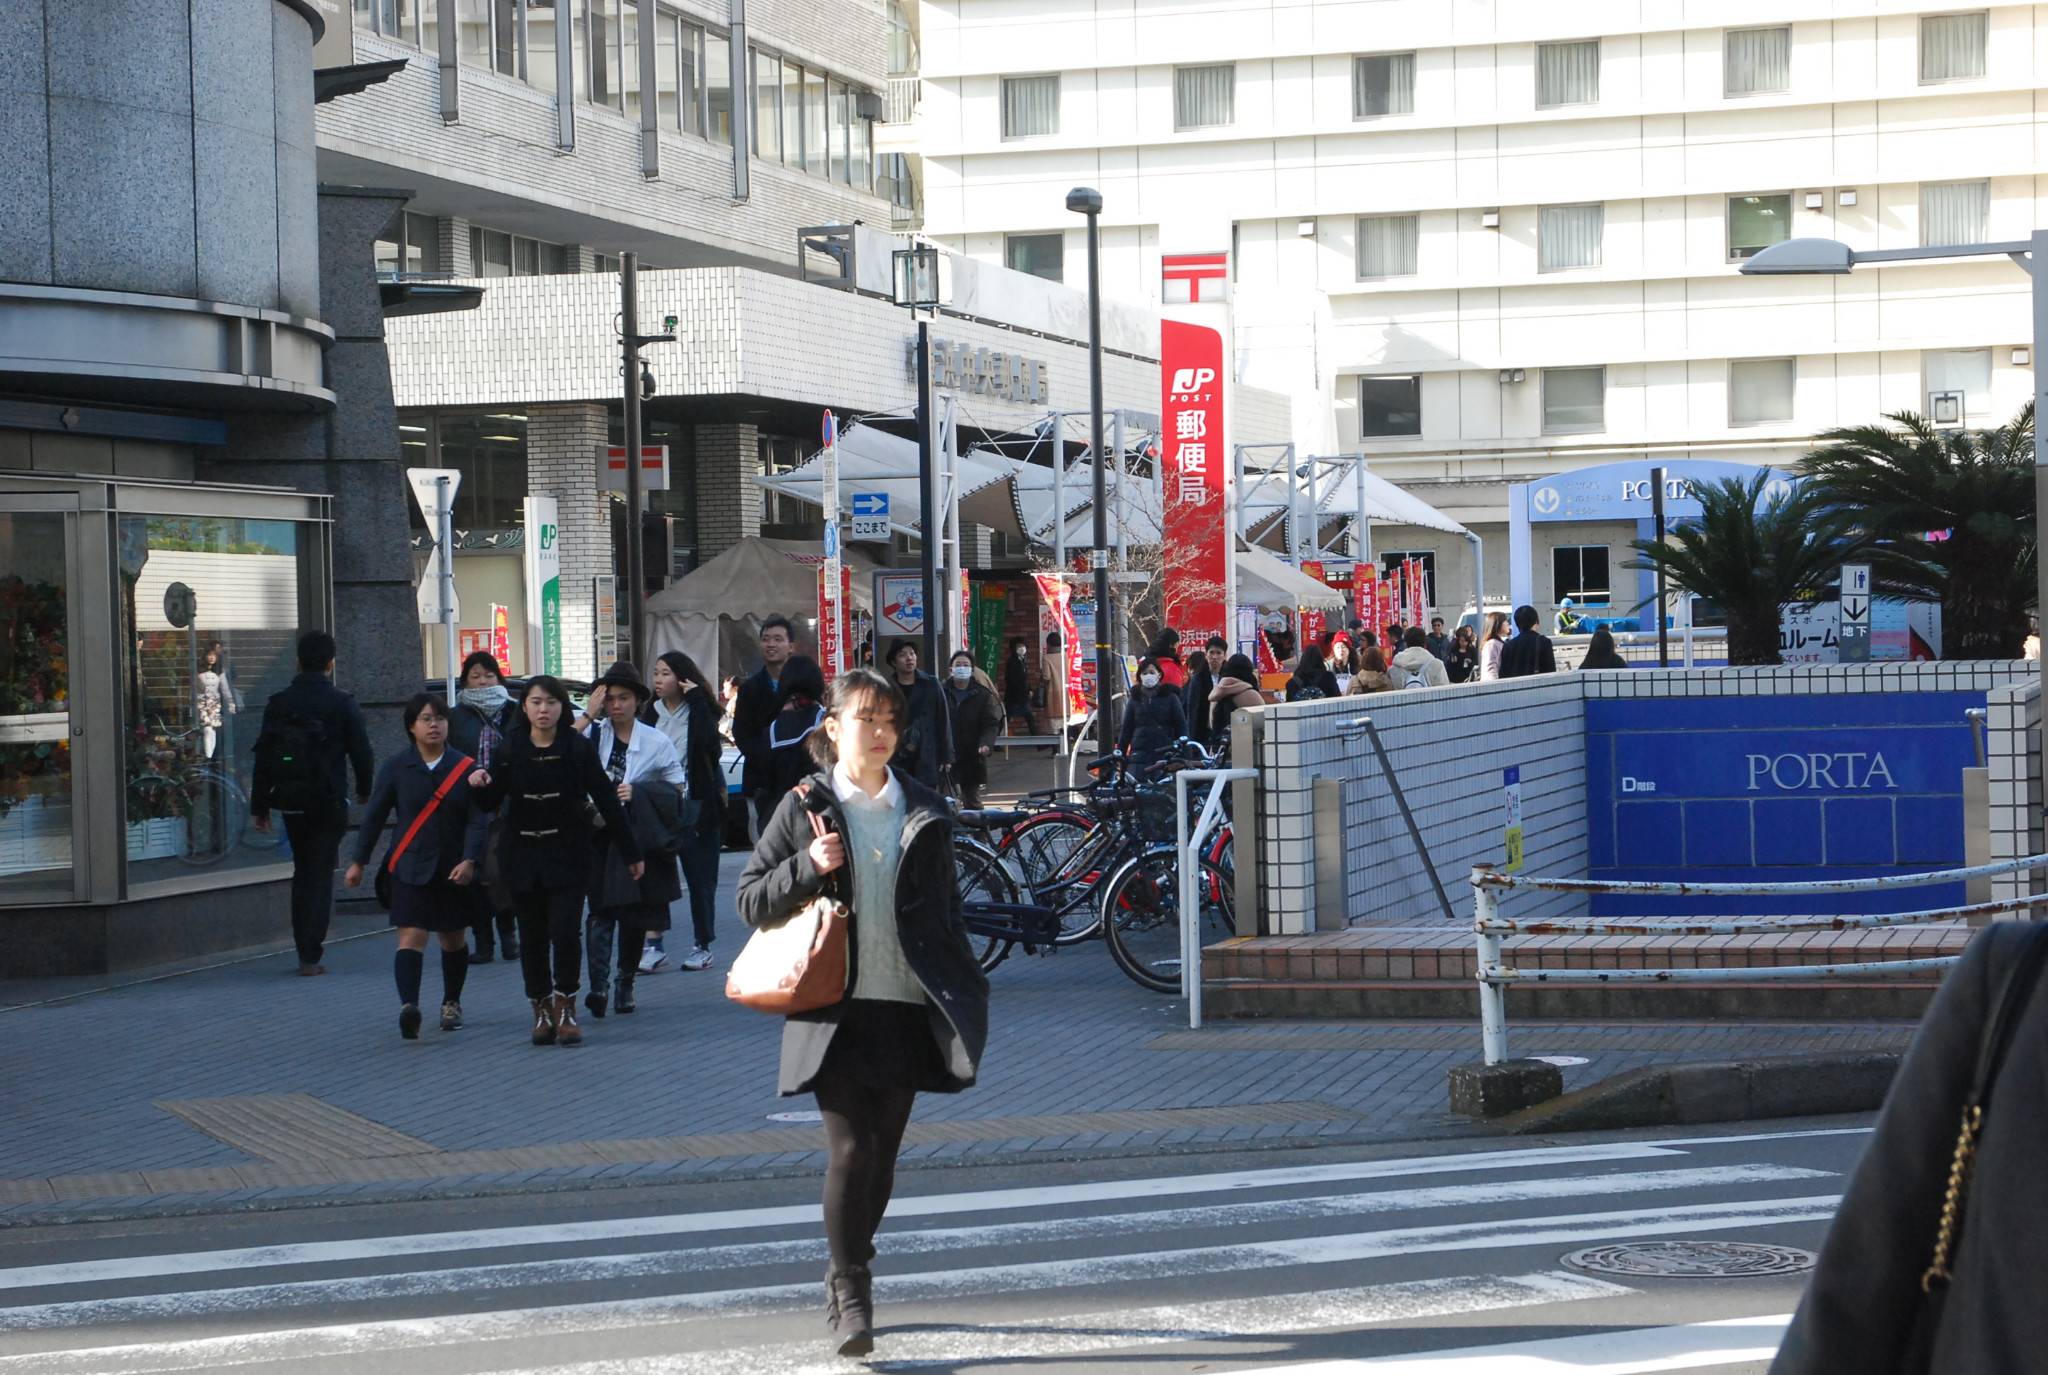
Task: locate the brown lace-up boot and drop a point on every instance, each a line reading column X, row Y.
column 567, row 1033
column 543, row 1021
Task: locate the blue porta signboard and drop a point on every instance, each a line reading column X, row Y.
column 1774, row 789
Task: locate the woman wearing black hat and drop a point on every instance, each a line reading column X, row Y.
column 542, row 775
column 643, row 765
column 439, row 848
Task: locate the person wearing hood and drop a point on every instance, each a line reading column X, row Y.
column 485, row 713
column 976, row 719
column 1415, row 666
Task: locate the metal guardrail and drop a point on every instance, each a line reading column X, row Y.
column 905, row 92
column 1491, row 928
column 1189, row 846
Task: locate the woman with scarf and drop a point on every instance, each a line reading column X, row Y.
column 484, row 714
column 685, row 710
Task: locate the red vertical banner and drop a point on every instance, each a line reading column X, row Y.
column 1418, row 594
column 501, row 634
column 1311, row 620
column 832, row 623
column 1365, row 597
column 1058, row 599
column 1194, row 463
column 1386, row 607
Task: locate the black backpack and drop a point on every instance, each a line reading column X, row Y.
column 294, row 754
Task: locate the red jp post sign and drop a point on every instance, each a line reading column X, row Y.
column 1191, row 429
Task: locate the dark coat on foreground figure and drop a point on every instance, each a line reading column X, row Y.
column 1859, row 1309
column 779, row 879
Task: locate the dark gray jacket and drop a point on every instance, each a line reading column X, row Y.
column 1860, row 1307
column 655, row 817
column 779, row 879
column 926, row 743
column 455, row 832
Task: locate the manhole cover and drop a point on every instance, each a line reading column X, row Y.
column 1691, row 1259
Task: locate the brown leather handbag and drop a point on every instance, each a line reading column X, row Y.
column 798, row 965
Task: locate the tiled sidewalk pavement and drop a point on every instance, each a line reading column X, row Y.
column 1070, row 1035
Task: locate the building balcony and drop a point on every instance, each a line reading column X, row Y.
column 904, row 94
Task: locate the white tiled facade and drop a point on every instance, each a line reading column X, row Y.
column 1449, row 745
column 1661, row 146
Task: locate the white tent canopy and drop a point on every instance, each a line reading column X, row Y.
column 1273, row 585
column 1382, row 501
column 873, row 460
column 733, row 593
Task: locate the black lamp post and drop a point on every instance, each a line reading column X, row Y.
column 1084, row 200
column 916, row 281
column 638, row 388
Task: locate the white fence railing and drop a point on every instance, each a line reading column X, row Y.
column 1491, row 928
column 1189, row 843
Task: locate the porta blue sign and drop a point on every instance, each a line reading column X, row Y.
column 1774, row 789
column 1625, row 491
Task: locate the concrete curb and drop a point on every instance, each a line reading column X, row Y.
column 1716, row 1091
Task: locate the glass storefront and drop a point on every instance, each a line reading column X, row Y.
column 142, row 629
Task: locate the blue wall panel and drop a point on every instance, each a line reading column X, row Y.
column 1774, row 789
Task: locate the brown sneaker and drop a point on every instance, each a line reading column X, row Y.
column 567, row 1033
column 543, row 1021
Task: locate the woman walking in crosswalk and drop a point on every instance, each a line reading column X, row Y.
column 915, row 1014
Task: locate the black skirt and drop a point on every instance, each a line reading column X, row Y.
column 885, row 1045
column 430, row 906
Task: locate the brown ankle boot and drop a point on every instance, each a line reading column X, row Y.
column 567, row 1033
column 854, row 1305
column 543, row 1021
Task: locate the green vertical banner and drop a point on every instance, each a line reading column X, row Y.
column 991, row 610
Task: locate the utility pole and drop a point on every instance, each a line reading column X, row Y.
column 631, row 366
column 929, row 526
column 1085, row 201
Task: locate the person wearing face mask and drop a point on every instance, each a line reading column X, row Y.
column 977, row 721
column 484, row 714
column 1153, row 719
column 1017, row 687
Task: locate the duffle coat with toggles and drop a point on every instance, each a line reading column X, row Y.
column 779, row 879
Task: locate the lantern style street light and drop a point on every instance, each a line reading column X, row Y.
column 914, row 273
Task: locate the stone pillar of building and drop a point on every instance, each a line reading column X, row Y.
column 579, row 257
column 728, row 502
column 974, row 545
column 455, row 256
column 561, row 462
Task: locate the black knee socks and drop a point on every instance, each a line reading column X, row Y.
column 454, row 971
column 408, row 965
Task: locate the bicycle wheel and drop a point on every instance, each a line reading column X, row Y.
column 1051, row 851
column 983, row 878
column 1141, row 916
column 215, row 814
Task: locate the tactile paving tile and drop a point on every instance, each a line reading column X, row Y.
column 287, row 1128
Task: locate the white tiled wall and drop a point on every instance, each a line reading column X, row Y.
column 1449, row 746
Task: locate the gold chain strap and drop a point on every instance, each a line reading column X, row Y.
column 1952, row 1206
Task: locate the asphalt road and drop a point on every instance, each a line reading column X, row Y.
column 1438, row 1257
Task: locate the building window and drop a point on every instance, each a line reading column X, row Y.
column 1389, row 407
column 1204, row 97
column 718, row 88
column 893, row 181
column 1579, row 571
column 1031, row 106
column 1756, row 61
column 1041, row 255
column 1568, row 73
column 817, row 125
column 766, row 79
column 1957, row 375
column 1952, row 46
column 1955, row 212
column 1569, row 236
column 488, row 450
column 413, row 249
column 1757, row 222
column 601, row 40
column 1386, row 246
column 495, row 254
column 603, row 262
column 1390, row 567
column 1760, row 390
column 679, row 66
column 509, row 37
column 1383, row 85
column 392, row 18
column 902, row 42
column 1574, row 400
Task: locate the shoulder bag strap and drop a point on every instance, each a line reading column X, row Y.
column 456, row 772
column 2015, row 994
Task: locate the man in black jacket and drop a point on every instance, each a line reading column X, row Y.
column 1529, row 652
column 312, row 733
column 753, row 711
column 925, row 748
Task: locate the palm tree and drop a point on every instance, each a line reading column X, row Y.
column 1751, row 562
column 1951, row 517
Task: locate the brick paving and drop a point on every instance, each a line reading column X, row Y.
column 1069, row 1035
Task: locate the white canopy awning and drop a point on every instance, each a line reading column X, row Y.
column 873, row 460
column 1272, row 585
column 1382, row 499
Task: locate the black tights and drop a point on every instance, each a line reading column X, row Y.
column 863, row 1132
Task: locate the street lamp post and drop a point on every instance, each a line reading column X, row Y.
column 1084, row 201
column 638, row 387
column 1832, row 258
column 916, row 281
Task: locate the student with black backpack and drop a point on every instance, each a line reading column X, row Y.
column 312, row 733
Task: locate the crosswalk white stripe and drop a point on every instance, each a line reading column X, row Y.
column 367, row 1337
column 1084, row 1334
column 1636, row 1351
column 588, row 1269
column 807, row 1214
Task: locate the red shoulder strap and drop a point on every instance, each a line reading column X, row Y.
column 456, row 772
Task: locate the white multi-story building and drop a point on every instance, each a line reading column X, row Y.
column 1486, row 241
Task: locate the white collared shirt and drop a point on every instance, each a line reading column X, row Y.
column 846, row 790
column 649, row 754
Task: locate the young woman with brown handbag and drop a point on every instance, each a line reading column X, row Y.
column 914, row 1016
